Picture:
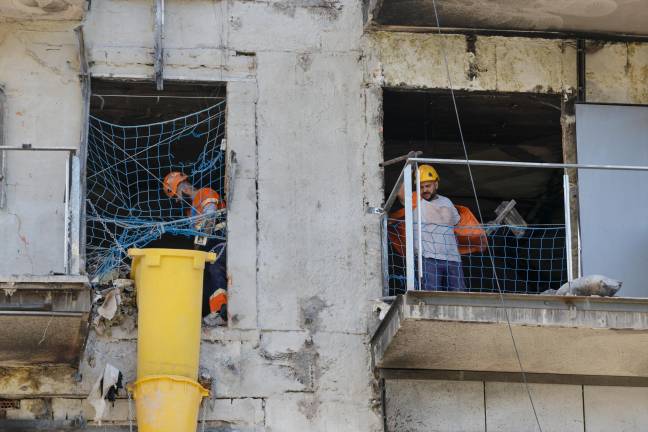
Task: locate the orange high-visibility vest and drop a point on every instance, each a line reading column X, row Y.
column 203, row 198
column 217, row 300
column 471, row 237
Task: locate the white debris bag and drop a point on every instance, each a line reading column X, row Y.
column 107, row 384
column 111, row 302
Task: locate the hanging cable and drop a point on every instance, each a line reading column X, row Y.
column 474, row 190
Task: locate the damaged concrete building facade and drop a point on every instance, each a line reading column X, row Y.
column 318, row 94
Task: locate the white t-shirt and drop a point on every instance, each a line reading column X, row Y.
column 438, row 239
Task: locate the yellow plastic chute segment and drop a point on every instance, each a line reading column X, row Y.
column 167, row 403
column 169, row 301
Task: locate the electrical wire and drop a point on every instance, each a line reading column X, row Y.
column 474, row 189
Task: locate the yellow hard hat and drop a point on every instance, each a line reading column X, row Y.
column 428, row 173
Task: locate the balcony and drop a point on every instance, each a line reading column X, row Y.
column 564, row 339
column 44, row 319
column 475, row 326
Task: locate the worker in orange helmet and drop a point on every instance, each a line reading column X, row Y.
column 204, row 201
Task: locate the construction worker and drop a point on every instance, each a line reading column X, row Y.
column 441, row 259
column 204, row 201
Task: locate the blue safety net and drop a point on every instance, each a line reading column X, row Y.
column 520, row 259
column 126, row 206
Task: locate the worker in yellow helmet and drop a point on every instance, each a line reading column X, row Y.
column 204, row 201
column 441, row 259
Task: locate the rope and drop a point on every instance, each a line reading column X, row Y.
column 130, row 412
column 127, row 205
column 474, row 190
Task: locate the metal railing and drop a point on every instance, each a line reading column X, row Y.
column 72, row 224
column 501, row 257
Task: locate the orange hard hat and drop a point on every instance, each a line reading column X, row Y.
column 172, row 181
column 204, row 197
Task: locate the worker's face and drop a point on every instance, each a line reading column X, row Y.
column 429, row 189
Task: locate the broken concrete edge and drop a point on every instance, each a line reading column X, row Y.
column 44, row 281
column 407, row 306
column 511, row 377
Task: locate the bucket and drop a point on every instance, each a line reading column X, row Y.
column 166, row 403
column 169, row 301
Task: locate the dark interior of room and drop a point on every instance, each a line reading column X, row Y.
column 496, row 126
column 134, row 103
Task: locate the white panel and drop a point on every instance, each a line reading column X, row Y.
column 559, row 407
column 439, row 406
column 618, row 409
column 614, row 204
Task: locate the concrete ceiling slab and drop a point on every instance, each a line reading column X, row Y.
column 617, row 17
column 47, row 10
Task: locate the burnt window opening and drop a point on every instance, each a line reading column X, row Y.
column 520, row 127
column 140, row 140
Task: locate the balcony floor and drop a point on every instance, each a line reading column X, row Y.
column 555, row 335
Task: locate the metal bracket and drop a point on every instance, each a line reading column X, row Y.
column 159, row 44
column 375, row 210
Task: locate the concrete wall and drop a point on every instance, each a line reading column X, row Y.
column 39, row 74
column 304, row 119
column 303, row 255
column 453, row 406
column 615, row 72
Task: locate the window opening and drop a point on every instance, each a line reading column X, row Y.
column 155, row 173
column 497, row 126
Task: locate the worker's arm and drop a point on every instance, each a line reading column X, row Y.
column 449, row 216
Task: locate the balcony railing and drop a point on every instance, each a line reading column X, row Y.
column 493, row 257
column 526, row 259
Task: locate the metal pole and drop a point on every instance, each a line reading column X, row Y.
column 3, row 156
column 80, row 172
column 394, row 193
column 476, row 162
column 419, row 225
column 385, row 256
column 409, row 230
column 409, row 155
column 27, row 147
column 568, row 239
column 66, row 236
column 75, row 216
column 580, row 257
column 159, row 44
